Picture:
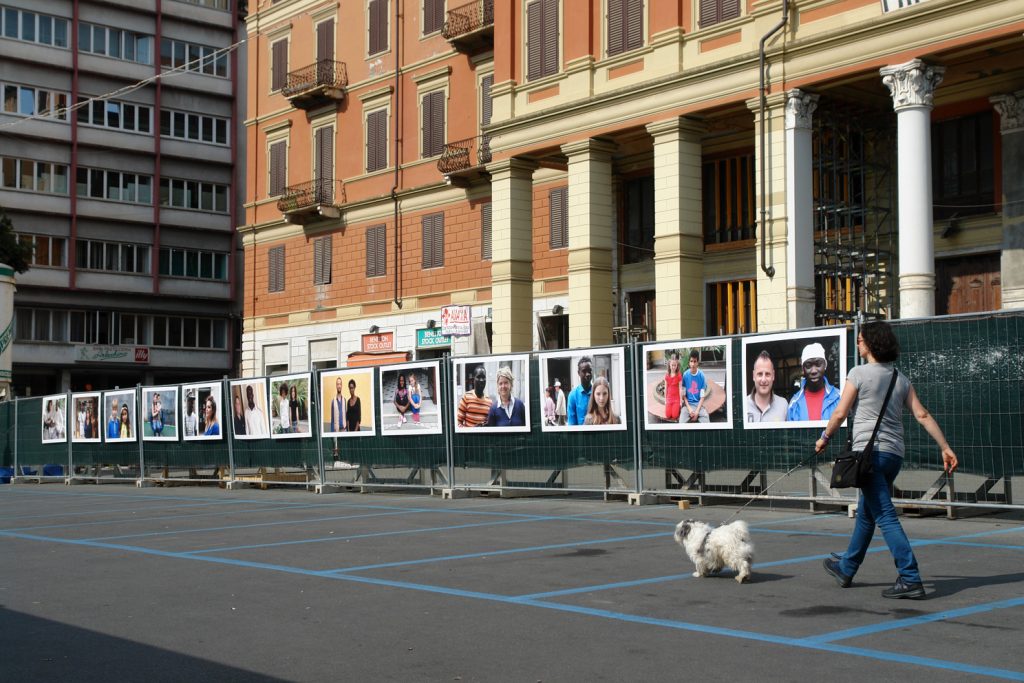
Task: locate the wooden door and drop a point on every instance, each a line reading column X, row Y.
column 968, row 284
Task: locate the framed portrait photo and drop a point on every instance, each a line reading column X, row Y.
column 688, row 385
column 250, row 413
column 410, row 399
column 588, row 388
column 792, row 379
column 55, row 418
column 492, row 394
column 202, row 409
column 348, row 403
column 289, row 406
column 117, row 419
column 159, row 417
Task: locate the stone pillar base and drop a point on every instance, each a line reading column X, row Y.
column 917, row 295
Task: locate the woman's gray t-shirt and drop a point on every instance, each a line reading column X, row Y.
column 872, row 382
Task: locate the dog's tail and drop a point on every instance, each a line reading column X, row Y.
column 741, row 530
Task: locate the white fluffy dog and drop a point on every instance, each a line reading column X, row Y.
column 711, row 548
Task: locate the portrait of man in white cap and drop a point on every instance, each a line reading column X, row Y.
column 816, row 398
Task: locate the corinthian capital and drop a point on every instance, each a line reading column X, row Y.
column 1011, row 111
column 912, row 84
column 799, row 107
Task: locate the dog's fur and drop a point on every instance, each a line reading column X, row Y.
column 712, row 548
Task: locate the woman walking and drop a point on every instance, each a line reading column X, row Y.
column 868, row 384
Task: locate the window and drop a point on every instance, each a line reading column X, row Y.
column 275, row 269
column 485, row 231
column 486, row 110
column 542, row 39
column 33, row 27
column 189, row 333
column 28, row 101
column 433, row 16
column 178, row 193
column 115, row 43
column 963, row 176
column 558, row 213
column 727, row 201
column 46, row 250
column 625, row 26
column 200, row 265
column 432, row 133
column 376, row 140
column 115, row 185
column 731, row 307
column 214, row 4
column 195, row 127
column 433, row 240
column 638, row 220
column 33, row 176
column 376, row 254
column 278, row 167
column 278, row 64
column 112, row 256
column 377, row 11
column 204, row 59
column 40, row 324
column 715, row 11
column 322, row 261
column 136, row 118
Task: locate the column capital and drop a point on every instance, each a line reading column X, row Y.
column 800, row 106
column 1011, row 112
column 512, row 166
column 589, row 146
column 680, row 127
column 775, row 101
column 913, row 83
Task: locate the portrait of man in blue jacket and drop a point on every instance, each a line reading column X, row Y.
column 816, row 398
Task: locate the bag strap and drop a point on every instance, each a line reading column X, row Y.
column 881, row 412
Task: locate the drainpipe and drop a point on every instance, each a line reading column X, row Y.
column 394, row 188
column 768, row 269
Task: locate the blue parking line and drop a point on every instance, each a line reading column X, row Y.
column 575, row 609
column 914, row 621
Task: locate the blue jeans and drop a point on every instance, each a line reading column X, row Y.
column 875, row 508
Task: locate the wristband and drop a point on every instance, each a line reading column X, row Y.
column 824, row 436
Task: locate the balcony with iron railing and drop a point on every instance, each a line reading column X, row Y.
column 313, row 86
column 312, row 201
column 463, row 161
column 470, row 28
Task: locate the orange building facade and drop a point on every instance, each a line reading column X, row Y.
column 579, row 172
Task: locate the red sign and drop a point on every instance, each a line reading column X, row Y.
column 141, row 354
column 381, row 341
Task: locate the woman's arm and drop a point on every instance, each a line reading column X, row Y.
column 838, row 415
column 925, row 419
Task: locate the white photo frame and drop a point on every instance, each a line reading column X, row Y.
column 469, row 407
column 565, row 366
column 667, row 409
column 395, row 422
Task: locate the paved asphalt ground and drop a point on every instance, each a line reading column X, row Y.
column 110, row 583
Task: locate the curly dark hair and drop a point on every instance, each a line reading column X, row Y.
column 881, row 341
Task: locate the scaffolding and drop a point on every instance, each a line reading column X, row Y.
column 854, row 212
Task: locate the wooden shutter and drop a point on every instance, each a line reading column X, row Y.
column 279, row 64
column 550, row 22
column 376, row 251
column 323, row 165
column 486, row 110
column 275, row 269
column 433, row 15
column 634, row 32
column 278, row 159
column 616, row 17
column 378, row 16
column 433, row 123
column 728, row 9
column 377, row 140
column 534, row 43
column 558, row 214
column 716, row 11
column 325, row 41
column 433, row 240
column 322, row 261
column 485, row 231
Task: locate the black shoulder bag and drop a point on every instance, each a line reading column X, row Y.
column 851, row 468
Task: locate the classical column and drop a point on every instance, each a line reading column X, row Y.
column 912, row 85
column 678, row 228
column 1011, row 128
column 512, row 254
column 591, row 240
column 772, row 222
column 799, row 209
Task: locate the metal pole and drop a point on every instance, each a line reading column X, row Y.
column 637, row 426
column 230, row 439
column 317, row 431
column 17, row 465
column 139, row 433
column 68, row 435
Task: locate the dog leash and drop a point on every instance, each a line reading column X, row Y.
column 765, row 490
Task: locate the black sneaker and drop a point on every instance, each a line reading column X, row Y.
column 902, row 589
column 844, row 581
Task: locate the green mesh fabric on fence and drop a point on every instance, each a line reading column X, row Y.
column 7, row 434
column 32, row 452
